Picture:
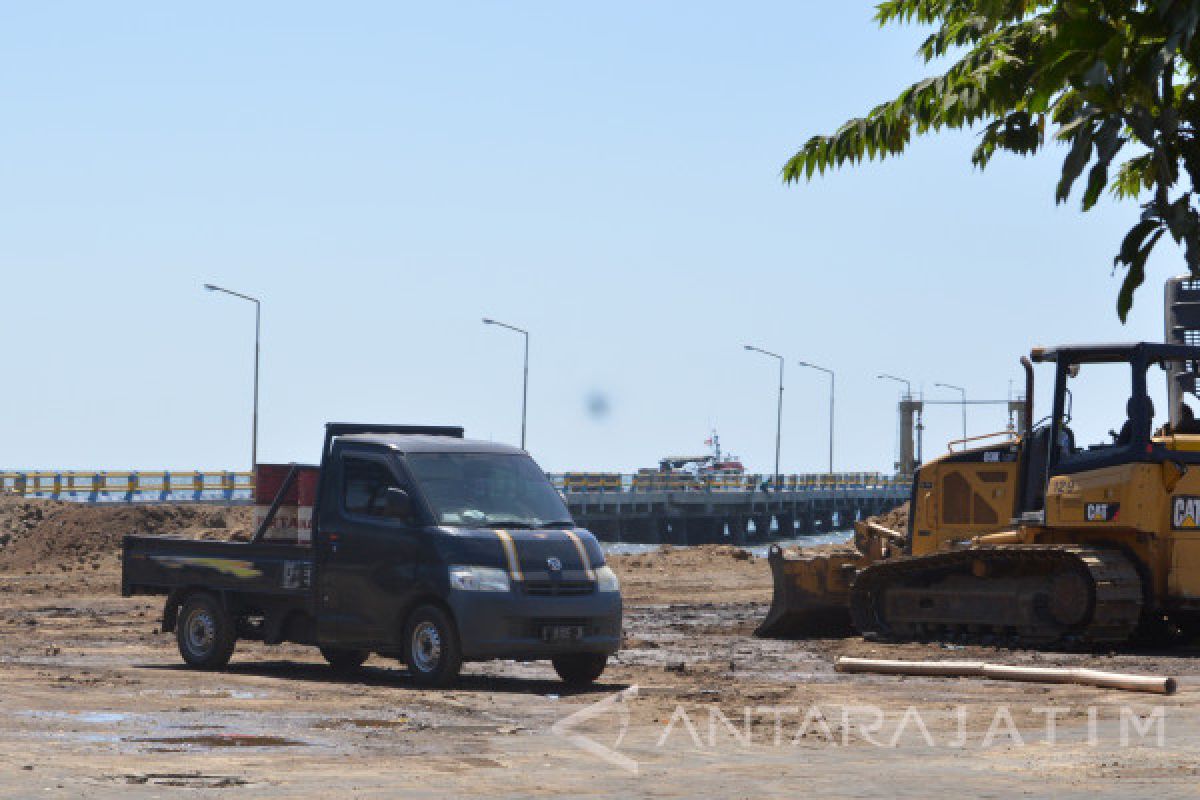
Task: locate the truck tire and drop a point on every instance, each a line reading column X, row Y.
column 431, row 647
column 205, row 632
column 580, row 669
column 344, row 659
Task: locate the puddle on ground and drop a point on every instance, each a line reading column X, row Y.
column 173, row 732
column 102, row 717
column 94, row 738
column 93, row 717
column 190, row 780
column 334, row 724
column 220, row 740
column 215, row 694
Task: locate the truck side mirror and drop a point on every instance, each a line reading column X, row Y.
column 396, row 504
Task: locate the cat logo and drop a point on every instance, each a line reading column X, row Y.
column 1185, row 511
column 1101, row 512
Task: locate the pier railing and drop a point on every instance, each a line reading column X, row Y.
column 108, row 486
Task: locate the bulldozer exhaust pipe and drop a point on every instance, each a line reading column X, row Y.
column 1028, row 415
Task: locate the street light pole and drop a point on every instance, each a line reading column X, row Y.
column 778, row 409
column 525, row 382
column 257, row 338
column 963, row 392
column 832, row 382
column 907, row 385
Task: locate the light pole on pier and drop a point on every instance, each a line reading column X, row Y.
column 779, row 407
column 525, row 384
column 907, row 385
column 832, row 382
column 963, row 392
column 257, row 336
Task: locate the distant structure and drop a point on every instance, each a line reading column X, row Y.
column 912, row 431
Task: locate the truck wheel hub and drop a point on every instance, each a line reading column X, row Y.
column 201, row 630
column 426, row 646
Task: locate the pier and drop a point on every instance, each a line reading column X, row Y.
column 684, row 513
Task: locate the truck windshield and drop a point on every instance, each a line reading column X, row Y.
column 493, row 489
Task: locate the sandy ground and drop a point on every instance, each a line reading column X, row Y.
column 96, row 703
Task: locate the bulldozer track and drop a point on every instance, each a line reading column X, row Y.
column 1022, row 595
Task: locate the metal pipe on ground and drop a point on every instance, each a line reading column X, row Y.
column 1002, row 672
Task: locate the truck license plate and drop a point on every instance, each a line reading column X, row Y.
column 561, row 633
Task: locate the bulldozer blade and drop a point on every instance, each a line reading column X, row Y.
column 811, row 595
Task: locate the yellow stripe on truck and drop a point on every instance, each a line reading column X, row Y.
column 583, row 556
column 510, row 555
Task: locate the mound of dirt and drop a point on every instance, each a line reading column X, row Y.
column 43, row 535
column 705, row 573
column 896, row 519
column 683, row 556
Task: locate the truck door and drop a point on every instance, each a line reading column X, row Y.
column 367, row 558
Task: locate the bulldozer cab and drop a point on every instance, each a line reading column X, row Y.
column 1103, row 414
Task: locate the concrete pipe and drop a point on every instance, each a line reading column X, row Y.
column 980, row 669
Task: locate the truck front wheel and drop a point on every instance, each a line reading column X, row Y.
column 205, row 632
column 580, row 669
column 431, row 647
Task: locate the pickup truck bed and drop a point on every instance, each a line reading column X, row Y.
column 160, row 565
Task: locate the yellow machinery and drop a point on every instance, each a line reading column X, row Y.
column 1040, row 538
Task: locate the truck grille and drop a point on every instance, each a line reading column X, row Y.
column 558, row 588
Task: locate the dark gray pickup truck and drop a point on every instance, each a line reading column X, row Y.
column 426, row 547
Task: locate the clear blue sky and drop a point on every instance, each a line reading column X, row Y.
column 605, row 174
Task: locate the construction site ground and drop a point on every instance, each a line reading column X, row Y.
column 97, row 703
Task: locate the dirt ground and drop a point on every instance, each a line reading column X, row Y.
column 95, row 701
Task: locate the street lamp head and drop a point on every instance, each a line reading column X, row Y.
column 754, row 349
column 487, row 321
column 210, row 287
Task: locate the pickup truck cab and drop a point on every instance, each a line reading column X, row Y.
column 426, row 547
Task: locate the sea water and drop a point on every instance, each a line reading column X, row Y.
column 759, row 550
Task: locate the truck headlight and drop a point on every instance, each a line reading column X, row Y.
column 479, row 579
column 606, row 580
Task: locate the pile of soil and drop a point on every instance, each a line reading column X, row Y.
column 44, row 535
column 896, row 519
column 685, row 556
column 700, row 573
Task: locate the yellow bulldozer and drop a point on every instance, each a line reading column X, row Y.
column 1044, row 538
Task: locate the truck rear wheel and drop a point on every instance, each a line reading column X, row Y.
column 580, row 669
column 431, row 647
column 205, row 632
column 343, row 659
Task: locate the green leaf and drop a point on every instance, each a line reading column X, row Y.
column 1135, row 274
column 1073, row 164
